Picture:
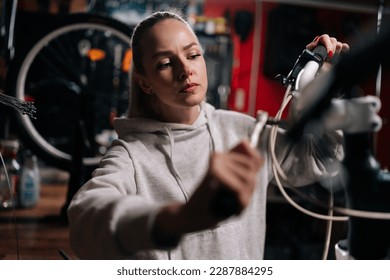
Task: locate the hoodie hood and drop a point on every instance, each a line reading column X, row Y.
column 125, row 126
column 171, row 145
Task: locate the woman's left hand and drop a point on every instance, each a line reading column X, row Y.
column 332, row 45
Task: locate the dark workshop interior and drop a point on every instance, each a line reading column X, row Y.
column 247, row 43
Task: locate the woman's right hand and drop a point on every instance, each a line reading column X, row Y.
column 226, row 190
column 233, row 173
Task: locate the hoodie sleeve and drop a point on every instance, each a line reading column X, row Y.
column 107, row 218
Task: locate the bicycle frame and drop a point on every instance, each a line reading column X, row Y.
column 367, row 187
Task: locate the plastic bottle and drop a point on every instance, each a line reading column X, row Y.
column 30, row 182
column 9, row 187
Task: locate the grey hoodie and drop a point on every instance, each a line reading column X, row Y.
column 153, row 163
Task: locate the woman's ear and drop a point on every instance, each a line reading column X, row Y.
column 143, row 83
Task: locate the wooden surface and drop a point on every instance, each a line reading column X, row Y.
column 40, row 233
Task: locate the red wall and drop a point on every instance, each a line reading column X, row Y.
column 269, row 93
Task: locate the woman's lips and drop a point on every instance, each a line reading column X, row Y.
column 189, row 88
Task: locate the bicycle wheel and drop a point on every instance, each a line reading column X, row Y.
column 76, row 74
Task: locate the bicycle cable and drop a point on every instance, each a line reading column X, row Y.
column 13, row 206
column 278, row 172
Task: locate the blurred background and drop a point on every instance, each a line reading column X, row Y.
column 71, row 58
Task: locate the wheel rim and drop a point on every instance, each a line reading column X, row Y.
column 23, row 79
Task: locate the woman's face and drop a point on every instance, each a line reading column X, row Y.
column 175, row 69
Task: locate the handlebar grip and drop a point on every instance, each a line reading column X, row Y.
column 321, row 53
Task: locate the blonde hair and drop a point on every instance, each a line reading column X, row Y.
column 140, row 103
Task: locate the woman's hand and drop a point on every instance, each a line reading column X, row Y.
column 333, row 47
column 331, row 44
column 234, row 173
column 227, row 188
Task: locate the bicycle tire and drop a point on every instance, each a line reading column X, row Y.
column 69, row 75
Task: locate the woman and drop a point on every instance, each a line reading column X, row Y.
column 156, row 192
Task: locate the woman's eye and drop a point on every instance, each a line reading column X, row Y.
column 164, row 65
column 194, row 56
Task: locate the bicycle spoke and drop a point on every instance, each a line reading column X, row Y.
column 58, row 64
column 69, row 85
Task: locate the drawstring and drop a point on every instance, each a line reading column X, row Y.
column 171, row 140
column 211, row 141
column 175, row 173
column 174, row 170
column 210, row 130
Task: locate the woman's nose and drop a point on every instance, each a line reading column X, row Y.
column 185, row 71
